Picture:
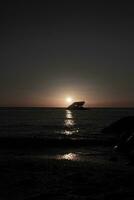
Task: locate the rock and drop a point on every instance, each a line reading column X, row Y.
column 121, row 126
column 123, row 130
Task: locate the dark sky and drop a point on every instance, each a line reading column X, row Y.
column 52, row 50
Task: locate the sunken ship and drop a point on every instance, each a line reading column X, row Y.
column 77, row 106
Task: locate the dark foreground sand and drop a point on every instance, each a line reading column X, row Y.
column 32, row 177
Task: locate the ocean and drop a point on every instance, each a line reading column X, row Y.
column 64, row 134
column 60, row 154
column 57, row 123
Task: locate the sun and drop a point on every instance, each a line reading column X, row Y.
column 69, row 99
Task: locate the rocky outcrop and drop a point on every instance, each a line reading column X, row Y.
column 123, row 130
column 117, row 128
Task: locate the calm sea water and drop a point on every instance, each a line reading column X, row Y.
column 81, row 126
column 57, row 123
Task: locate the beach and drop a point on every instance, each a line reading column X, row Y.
column 34, row 176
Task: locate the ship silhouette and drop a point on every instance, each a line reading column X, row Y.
column 78, row 105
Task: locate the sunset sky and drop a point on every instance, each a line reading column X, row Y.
column 59, row 49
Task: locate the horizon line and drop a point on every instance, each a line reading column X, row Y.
column 58, row 107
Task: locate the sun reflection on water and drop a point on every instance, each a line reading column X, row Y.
column 70, row 132
column 69, row 124
column 69, row 156
column 69, row 121
column 69, row 114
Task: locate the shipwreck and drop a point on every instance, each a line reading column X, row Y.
column 77, row 106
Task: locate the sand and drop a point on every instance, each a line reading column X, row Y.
column 31, row 175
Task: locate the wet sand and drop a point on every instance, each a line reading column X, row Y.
column 69, row 173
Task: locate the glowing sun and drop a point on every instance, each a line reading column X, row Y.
column 69, row 99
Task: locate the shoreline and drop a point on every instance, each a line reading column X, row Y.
column 32, row 178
